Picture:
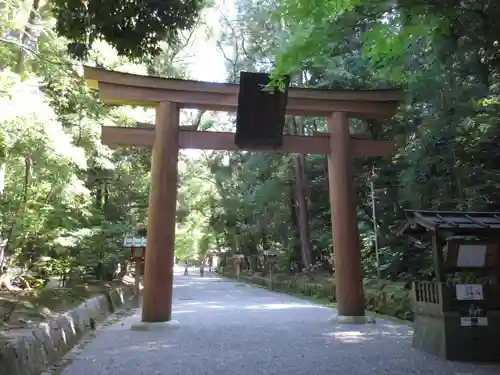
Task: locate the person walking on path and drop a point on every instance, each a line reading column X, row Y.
column 202, row 269
column 186, row 268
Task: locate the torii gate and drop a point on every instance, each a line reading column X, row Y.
column 167, row 137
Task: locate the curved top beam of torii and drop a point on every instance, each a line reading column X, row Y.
column 132, row 89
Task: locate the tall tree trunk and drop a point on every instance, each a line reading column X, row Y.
column 294, row 220
column 27, row 179
column 2, row 176
column 301, row 202
column 302, row 211
column 2, row 188
column 236, row 241
column 28, row 165
column 27, row 35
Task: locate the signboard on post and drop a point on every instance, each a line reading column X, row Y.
column 136, row 245
column 128, row 241
column 137, row 241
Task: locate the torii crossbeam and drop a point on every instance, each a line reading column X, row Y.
column 167, row 137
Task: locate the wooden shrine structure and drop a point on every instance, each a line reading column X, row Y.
column 457, row 316
column 168, row 96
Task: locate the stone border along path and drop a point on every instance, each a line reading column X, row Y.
column 31, row 351
column 230, row 328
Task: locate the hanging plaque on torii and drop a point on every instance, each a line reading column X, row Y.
column 260, row 118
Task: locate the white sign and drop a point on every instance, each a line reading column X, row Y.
column 471, row 255
column 469, row 292
column 471, row 322
column 128, row 241
column 134, row 241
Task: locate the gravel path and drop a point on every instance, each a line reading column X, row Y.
column 227, row 328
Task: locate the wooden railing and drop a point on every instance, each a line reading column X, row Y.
column 440, row 298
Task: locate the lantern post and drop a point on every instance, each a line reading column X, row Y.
column 271, row 257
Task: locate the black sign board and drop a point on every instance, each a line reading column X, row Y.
column 261, row 112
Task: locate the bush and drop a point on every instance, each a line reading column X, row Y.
column 381, row 296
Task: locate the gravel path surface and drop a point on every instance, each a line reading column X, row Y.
column 228, row 328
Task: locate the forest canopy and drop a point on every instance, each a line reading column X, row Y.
column 67, row 201
column 135, row 29
column 392, row 32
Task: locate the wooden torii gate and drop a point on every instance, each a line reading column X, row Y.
column 167, row 137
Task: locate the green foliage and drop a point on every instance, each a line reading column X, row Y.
column 135, row 29
column 445, row 133
column 67, row 200
column 393, row 299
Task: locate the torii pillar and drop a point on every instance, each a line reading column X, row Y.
column 346, row 248
column 159, row 260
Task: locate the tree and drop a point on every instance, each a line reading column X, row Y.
column 391, row 30
column 441, row 53
column 67, row 200
column 135, row 29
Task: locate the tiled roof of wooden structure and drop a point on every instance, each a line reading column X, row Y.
column 421, row 221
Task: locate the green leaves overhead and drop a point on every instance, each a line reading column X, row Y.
column 446, row 134
column 389, row 31
column 33, row 129
column 67, row 198
column 135, row 28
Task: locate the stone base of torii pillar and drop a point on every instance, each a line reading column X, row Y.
column 154, row 327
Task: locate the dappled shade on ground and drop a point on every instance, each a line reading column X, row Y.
column 233, row 328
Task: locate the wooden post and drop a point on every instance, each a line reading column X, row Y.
column 271, row 276
column 158, row 273
column 137, row 281
column 437, row 255
column 348, row 273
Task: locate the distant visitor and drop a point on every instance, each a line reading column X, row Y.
column 186, row 268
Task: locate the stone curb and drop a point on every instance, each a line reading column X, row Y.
column 32, row 351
